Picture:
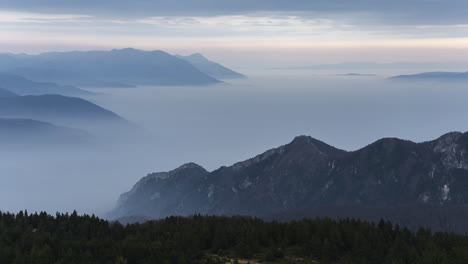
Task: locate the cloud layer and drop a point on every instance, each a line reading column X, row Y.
column 397, row 11
column 199, row 24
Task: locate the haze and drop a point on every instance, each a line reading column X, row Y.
column 295, row 55
column 222, row 124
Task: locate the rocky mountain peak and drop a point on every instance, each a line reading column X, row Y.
column 308, row 173
column 446, row 141
column 311, row 146
column 302, row 140
column 259, row 158
column 454, row 154
column 190, row 165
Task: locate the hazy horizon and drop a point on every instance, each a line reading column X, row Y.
column 244, row 34
column 222, row 124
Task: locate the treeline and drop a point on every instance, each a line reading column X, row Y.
column 73, row 239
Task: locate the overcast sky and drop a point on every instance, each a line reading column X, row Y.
column 293, row 31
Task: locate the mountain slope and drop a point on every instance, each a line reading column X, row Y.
column 434, row 76
column 69, row 112
column 125, row 67
column 160, row 193
column 6, row 93
column 308, row 173
column 210, row 68
column 23, row 86
column 54, row 106
column 14, row 131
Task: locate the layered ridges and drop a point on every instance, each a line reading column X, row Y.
column 308, row 173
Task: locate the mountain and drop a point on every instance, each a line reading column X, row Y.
column 161, row 193
column 211, row 68
column 125, row 67
column 55, row 107
column 375, row 65
column 307, row 174
column 434, row 76
column 6, row 93
column 352, row 74
column 23, row 86
column 15, row 131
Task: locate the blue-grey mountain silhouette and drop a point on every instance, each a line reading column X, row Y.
column 125, row 67
column 23, row 86
column 211, row 68
column 27, row 132
column 55, row 107
column 435, row 76
column 6, row 93
column 352, row 74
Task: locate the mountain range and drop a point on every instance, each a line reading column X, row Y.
column 434, row 76
column 115, row 68
column 307, row 175
column 6, row 93
column 27, row 132
column 30, row 115
column 65, row 111
column 376, row 65
column 53, row 106
column 352, row 74
column 23, row 86
column 211, row 68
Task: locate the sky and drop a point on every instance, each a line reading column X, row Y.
column 242, row 32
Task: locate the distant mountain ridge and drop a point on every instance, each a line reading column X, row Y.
column 23, row 86
column 18, row 131
column 124, row 67
column 53, row 106
column 211, row 68
column 357, row 74
column 307, row 174
column 6, row 93
column 434, row 76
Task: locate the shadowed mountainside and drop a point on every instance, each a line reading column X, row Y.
column 308, row 174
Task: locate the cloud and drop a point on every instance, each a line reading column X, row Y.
column 26, row 17
column 442, row 26
column 186, row 24
column 241, row 23
column 438, row 12
column 254, row 27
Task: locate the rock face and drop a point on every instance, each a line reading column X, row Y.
column 211, row 68
column 162, row 193
column 308, row 173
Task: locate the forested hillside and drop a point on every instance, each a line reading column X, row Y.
column 72, row 239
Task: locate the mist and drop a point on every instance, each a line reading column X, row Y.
column 221, row 124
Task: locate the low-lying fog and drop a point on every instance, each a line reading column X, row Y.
column 222, row 124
